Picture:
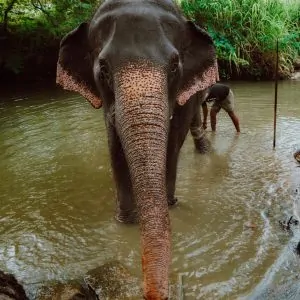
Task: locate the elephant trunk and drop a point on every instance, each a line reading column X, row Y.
column 141, row 113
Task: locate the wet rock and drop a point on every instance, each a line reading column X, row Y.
column 281, row 281
column 297, row 154
column 110, row 281
column 10, row 288
column 287, row 291
column 65, row 291
column 288, row 225
column 113, row 281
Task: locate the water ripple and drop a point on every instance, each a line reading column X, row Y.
column 58, row 202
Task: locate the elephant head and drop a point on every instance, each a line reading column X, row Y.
column 140, row 60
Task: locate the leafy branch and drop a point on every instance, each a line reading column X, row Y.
column 39, row 6
column 5, row 15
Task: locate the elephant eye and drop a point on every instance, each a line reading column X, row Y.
column 103, row 68
column 174, row 63
column 104, row 72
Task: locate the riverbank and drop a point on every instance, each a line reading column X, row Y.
column 245, row 36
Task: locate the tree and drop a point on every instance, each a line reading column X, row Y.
column 6, row 7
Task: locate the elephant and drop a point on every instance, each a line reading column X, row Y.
column 143, row 61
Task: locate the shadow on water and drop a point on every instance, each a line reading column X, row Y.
column 57, row 194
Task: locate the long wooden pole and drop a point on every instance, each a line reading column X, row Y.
column 275, row 96
column 180, row 287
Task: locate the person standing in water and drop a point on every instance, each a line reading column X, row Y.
column 222, row 97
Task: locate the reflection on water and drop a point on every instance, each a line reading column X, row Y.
column 57, row 194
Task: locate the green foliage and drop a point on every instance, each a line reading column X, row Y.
column 28, row 27
column 245, row 31
column 54, row 17
column 69, row 13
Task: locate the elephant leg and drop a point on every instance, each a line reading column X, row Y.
column 126, row 208
column 172, row 159
column 179, row 128
column 201, row 142
column 185, row 118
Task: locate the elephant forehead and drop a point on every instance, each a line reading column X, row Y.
column 141, row 79
column 132, row 17
column 111, row 5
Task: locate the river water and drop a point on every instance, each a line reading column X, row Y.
column 57, row 194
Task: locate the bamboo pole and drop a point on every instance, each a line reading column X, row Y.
column 180, row 287
column 275, row 96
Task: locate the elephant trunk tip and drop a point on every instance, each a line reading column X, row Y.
column 155, row 262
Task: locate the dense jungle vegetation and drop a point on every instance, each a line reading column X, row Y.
column 245, row 33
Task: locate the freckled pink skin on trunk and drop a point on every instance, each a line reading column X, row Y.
column 141, row 112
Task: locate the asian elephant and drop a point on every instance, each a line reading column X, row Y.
column 142, row 61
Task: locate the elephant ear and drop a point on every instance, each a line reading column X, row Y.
column 74, row 66
column 200, row 69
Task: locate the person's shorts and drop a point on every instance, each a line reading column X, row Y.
column 227, row 104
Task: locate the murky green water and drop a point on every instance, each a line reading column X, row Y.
column 57, row 194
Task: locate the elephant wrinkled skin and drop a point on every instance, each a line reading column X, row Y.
column 142, row 61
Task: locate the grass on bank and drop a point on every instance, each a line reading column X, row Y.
column 245, row 33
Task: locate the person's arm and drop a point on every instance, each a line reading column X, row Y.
column 235, row 120
column 205, row 113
